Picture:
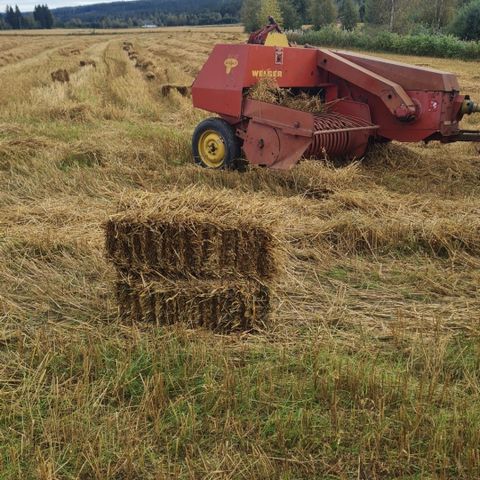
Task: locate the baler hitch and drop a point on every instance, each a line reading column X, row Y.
column 469, row 107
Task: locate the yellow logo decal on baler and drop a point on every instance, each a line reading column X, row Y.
column 267, row 73
column 230, row 63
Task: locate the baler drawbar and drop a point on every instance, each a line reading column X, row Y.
column 366, row 100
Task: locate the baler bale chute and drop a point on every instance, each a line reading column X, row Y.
column 366, row 100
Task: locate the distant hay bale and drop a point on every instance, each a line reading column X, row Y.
column 194, row 233
column 220, row 306
column 60, row 75
column 144, row 65
column 86, row 63
column 181, row 89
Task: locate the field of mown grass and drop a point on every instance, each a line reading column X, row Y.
column 370, row 368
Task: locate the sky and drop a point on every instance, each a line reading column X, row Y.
column 28, row 5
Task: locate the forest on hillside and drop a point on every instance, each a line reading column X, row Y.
column 138, row 13
column 460, row 18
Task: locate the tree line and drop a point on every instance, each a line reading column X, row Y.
column 458, row 17
column 126, row 14
column 40, row 18
column 121, row 14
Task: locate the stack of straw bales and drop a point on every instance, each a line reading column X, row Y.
column 194, row 256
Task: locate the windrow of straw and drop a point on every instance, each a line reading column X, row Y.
column 195, row 256
column 219, row 306
column 354, row 232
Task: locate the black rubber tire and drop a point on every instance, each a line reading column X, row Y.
column 230, row 140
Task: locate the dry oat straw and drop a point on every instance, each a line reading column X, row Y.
column 369, row 364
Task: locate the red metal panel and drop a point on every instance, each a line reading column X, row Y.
column 435, row 108
column 276, row 136
column 410, row 77
column 219, row 85
column 436, row 112
column 231, row 68
column 289, row 66
column 391, row 93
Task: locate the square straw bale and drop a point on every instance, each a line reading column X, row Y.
column 220, row 306
column 194, row 233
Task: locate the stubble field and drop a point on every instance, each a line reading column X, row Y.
column 370, row 368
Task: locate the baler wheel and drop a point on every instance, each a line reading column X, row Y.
column 215, row 144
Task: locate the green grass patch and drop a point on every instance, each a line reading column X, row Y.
column 161, row 398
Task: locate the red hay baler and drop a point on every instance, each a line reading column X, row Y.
column 367, row 100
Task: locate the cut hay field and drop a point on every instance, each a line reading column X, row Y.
column 370, row 367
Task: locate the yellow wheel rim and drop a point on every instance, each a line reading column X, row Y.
column 211, row 149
